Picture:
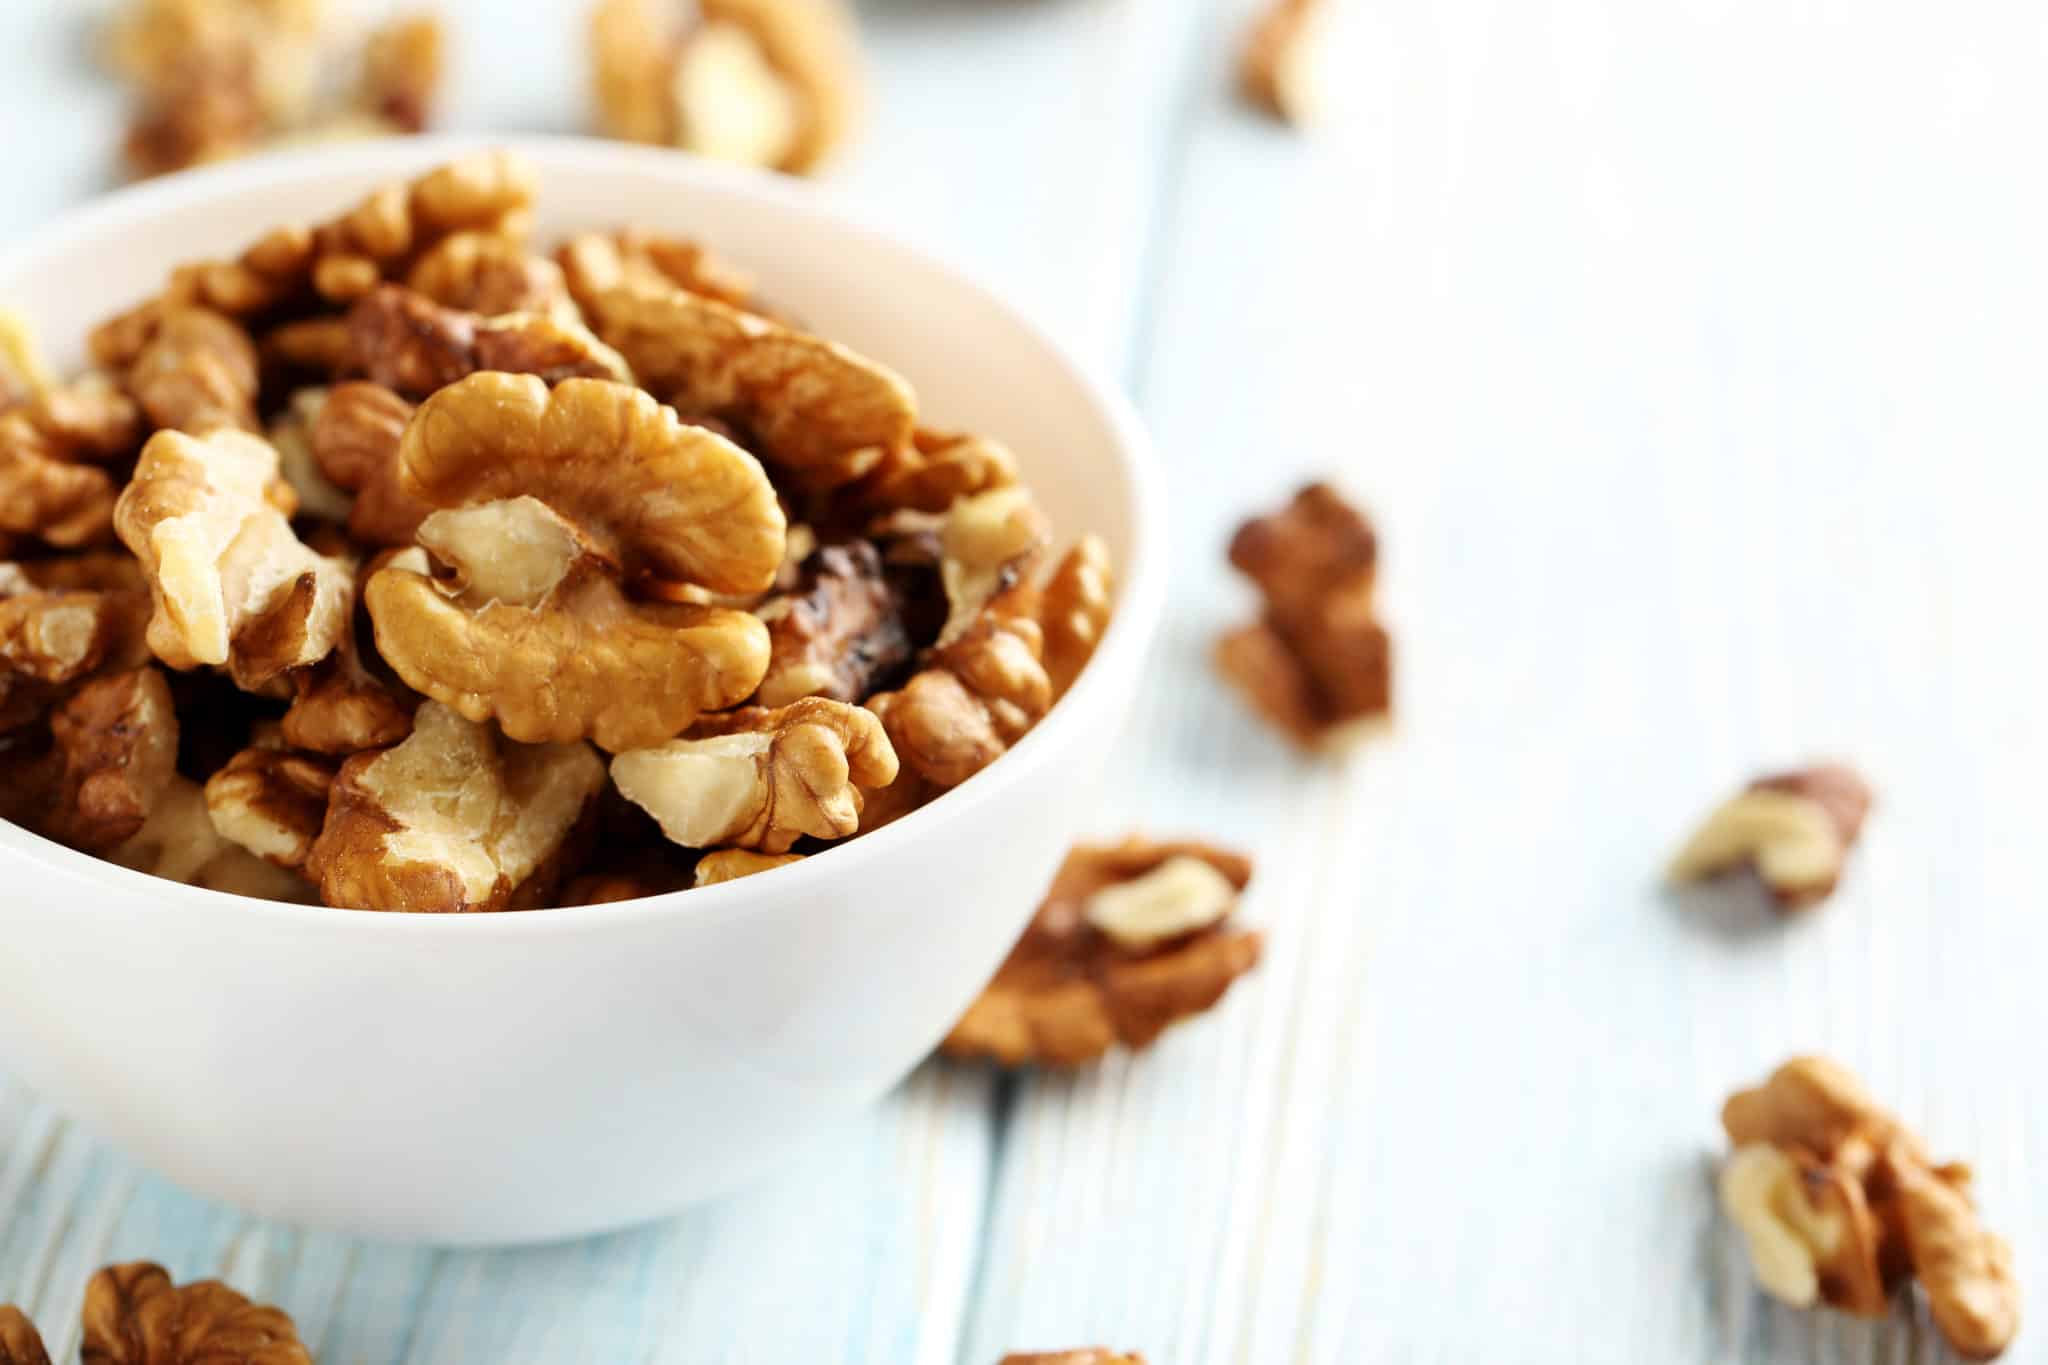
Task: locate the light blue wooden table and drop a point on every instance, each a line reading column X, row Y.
column 1691, row 354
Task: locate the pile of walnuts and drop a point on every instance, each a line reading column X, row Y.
column 392, row 563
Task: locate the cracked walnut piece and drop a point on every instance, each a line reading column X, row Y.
column 408, row 343
column 1316, row 665
column 761, row 779
column 838, row 633
column 731, row 864
column 113, row 747
column 198, row 372
column 272, row 802
column 134, row 1315
column 593, row 262
column 1069, row 992
column 1838, row 1203
column 758, row 82
column 454, row 819
column 815, row 409
column 1794, row 830
column 1277, row 68
column 1074, row 609
column 935, row 470
column 63, row 619
column 49, row 445
column 354, row 443
column 20, row 1343
column 491, row 274
column 557, row 501
column 232, row 584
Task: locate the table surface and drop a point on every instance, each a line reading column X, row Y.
column 1689, row 355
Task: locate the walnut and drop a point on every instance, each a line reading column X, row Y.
column 1097, row 1355
column 197, row 373
column 319, row 346
column 179, row 843
column 989, row 546
column 536, row 628
column 1276, row 69
column 343, row 705
column 759, row 779
column 756, row 83
column 134, row 1315
column 731, row 864
column 401, row 74
column 407, row 342
column 936, row 469
column 1069, row 992
column 1794, row 830
column 354, row 443
column 213, row 78
column 113, row 749
column 838, row 633
column 822, row 413
column 291, row 435
column 1317, row 665
column 60, row 619
column 454, row 819
column 1074, row 610
column 272, row 802
column 490, row 274
column 20, row 1343
column 23, row 372
column 886, row 805
column 232, row 584
column 47, row 488
column 640, row 257
column 1839, row 1203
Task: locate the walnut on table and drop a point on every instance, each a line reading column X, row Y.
column 820, row 413
column 767, row 83
column 135, row 1315
column 1793, row 830
column 20, row 1343
column 1130, row 939
column 1277, row 67
column 556, row 501
column 1317, row 665
column 1839, row 1204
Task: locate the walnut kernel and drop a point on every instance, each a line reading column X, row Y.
column 1794, row 830
column 134, row 1315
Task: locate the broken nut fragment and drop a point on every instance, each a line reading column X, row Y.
column 1794, row 830
column 1069, row 992
column 760, row 779
column 839, row 633
column 1317, row 665
column 731, row 864
column 1839, row 1203
column 354, row 442
column 197, row 373
column 492, row 275
column 454, row 818
column 594, row 262
column 232, row 584
column 20, row 1343
column 1277, row 69
column 815, row 409
column 1074, row 610
column 272, row 802
column 408, row 343
column 113, row 749
column 936, row 469
column 134, row 1315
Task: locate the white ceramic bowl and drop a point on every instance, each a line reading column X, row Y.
column 520, row 1077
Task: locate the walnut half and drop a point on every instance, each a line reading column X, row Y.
column 20, row 1343
column 1794, row 830
column 134, row 1315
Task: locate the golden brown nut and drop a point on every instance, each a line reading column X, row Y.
column 935, row 470
column 232, row 584
column 291, row 435
column 455, row 818
column 731, row 864
column 594, row 262
column 761, row 84
column 179, row 843
column 197, row 373
column 402, row 65
column 20, row 1343
column 272, row 802
column 134, row 1315
column 1966, row 1271
column 821, row 412
column 112, row 752
column 837, row 633
column 45, row 491
column 1277, row 68
column 490, row 274
column 760, row 779
column 1810, row 1232
column 23, row 372
column 343, row 705
column 319, row 346
column 1794, row 830
column 1074, row 609
column 411, row 344
column 60, row 619
column 354, row 443
column 1317, row 665
column 886, row 805
column 213, row 78
column 1809, row 1102
column 1095, row 1355
column 1068, row 993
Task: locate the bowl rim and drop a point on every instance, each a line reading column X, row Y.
column 1141, row 594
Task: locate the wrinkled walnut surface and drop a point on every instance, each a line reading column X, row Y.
column 134, row 1315
column 20, row 1343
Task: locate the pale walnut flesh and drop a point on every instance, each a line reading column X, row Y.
column 761, row 779
column 1317, row 665
column 271, row 802
column 291, row 435
column 20, row 1343
column 63, row 619
column 815, row 409
column 179, row 843
column 231, row 583
column 454, row 818
column 1793, row 830
column 1068, row 993
column 1809, row 1230
column 731, row 864
column 135, row 1315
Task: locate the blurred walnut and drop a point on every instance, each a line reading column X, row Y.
column 1097, row 1355
column 837, row 633
column 990, row 545
column 1277, row 68
column 62, row 620
column 759, row 779
column 112, row 750
column 23, row 373
column 232, row 584
column 20, row 1343
column 272, row 802
column 407, row 342
column 641, row 258
column 1838, row 1204
column 49, row 444
column 490, row 274
column 934, row 470
column 1074, row 609
column 1317, row 665
column 354, row 443
column 318, row 347
column 134, row 1315
column 557, row 502
column 179, row 843
column 347, row 702
column 1794, row 830
column 291, row 436
column 731, row 864
column 402, row 66
column 882, row 806
column 197, row 373
column 759, row 82
column 823, row 414
column 455, row 818
column 1069, row 991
